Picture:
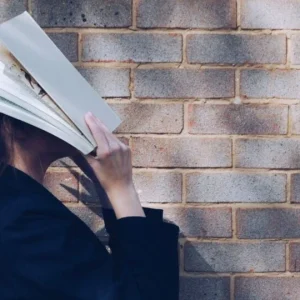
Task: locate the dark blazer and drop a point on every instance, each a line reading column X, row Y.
column 46, row 252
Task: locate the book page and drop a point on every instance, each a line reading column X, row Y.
column 78, row 141
column 31, row 46
column 21, row 84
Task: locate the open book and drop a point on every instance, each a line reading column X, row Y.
column 39, row 86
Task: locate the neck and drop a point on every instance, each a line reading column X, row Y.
column 34, row 165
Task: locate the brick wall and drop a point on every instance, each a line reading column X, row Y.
column 209, row 92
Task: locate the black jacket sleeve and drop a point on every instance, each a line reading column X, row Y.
column 46, row 252
column 145, row 254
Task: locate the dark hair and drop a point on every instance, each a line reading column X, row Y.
column 10, row 129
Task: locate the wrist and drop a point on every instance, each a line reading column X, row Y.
column 125, row 201
column 115, row 190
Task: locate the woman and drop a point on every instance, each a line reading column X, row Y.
column 46, row 252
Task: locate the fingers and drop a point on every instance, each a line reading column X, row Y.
column 106, row 141
column 97, row 132
column 111, row 140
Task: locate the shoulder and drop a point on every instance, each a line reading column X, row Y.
column 39, row 217
column 40, row 239
column 16, row 205
column 31, row 224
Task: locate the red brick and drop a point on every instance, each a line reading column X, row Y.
column 267, row 288
column 87, row 191
column 204, row 288
column 181, row 152
column 11, row 8
column 238, row 119
column 294, row 263
column 280, row 153
column 108, row 82
column 295, row 43
column 188, row 14
column 235, row 187
column 201, row 222
column 76, row 13
column 149, row 118
column 270, row 84
column 236, row 49
column 184, row 83
column 295, row 188
column 227, row 257
column 261, row 223
column 64, row 185
column 295, row 114
column 158, row 187
column 275, row 14
column 63, row 162
column 67, row 43
column 132, row 47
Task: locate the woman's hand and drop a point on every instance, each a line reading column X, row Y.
column 82, row 163
column 112, row 168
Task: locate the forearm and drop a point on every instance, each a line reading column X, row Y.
column 125, row 201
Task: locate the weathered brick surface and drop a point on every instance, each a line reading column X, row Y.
column 235, row 187
column 295, row 118
column 67, row 43
column 180, row 83
column 268, row 153
column 64, row 185
column 149, row 118
column 238, row 119
column 108, row 82
column 165, row 187
column 87, row 190
column 181, row 152
column 276, row 14
column 234, row 257
column 132, row 47
column 295, row 188
column 201, row 222
column 158, row 187
column 191, row 14
column 295, row 49
column 294, row 263
column 204, row 288
column 77, row 13
column 267, row 288
column 268, row 223
column 270, row 84
column 64, row 162
column 11, row 8
column 236, row 49
column 211, row 112
column 92, row 217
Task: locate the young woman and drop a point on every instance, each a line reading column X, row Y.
column 46, row 252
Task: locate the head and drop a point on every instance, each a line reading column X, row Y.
column 20, row 141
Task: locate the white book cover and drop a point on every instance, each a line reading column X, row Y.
column 33, row 71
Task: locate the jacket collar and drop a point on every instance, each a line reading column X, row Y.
column 18, row 180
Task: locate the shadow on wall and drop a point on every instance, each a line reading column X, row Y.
column 205, row 289
column 192, row 288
